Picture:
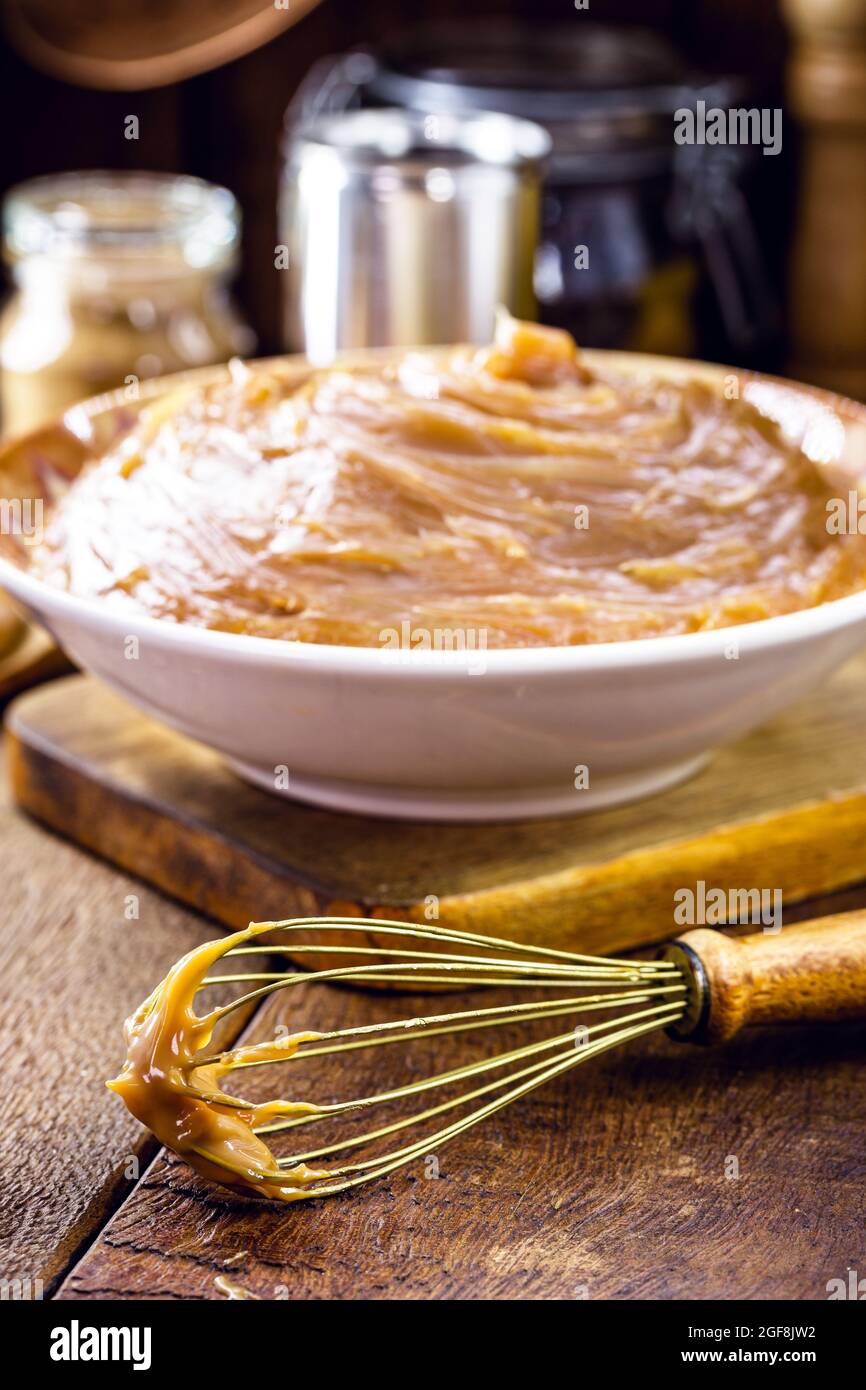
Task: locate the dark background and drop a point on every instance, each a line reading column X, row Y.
column 225, row 125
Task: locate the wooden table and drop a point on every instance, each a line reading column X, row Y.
column 615, row 1182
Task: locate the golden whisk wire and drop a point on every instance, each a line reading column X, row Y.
column 657, row 988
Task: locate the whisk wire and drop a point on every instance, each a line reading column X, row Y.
column 460, row 1073
column 430, row 932
column 654, row 992
column 376, row 1168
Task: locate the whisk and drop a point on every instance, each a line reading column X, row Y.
column 704, row 987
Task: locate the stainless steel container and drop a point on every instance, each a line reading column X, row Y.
column 403, row 228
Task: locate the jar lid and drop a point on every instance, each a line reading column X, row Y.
column 374, row 136
column 597, row 89
column 120, row 218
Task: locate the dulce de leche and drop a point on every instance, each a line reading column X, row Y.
column 512, row 490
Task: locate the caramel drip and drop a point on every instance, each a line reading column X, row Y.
column 171, row 1086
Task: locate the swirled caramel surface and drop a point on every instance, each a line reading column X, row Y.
column 509, row 491
column 171, row 1085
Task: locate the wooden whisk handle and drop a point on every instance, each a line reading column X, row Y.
column 813, row 972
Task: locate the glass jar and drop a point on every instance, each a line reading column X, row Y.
column 116, row 278
column 645, row 244
column 425, row 224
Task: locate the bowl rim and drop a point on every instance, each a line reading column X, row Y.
column 766, row 633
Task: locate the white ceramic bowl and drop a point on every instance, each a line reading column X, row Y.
column 464, row 736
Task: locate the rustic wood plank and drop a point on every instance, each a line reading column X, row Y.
column 785, row 808
column 72, row 966
column 30, row 658
column 611, row 1183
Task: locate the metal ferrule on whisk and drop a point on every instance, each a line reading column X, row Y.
column 692, row 1024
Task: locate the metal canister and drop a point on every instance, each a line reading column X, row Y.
column 403, row 228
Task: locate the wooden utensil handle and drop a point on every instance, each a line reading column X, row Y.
column 814, row 972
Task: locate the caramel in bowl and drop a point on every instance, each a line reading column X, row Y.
column 435, row 583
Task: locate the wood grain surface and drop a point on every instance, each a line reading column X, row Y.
column 72, row 965
column 662, row 1171
column 783, row 809
column 28, row 660
column 612, row 1182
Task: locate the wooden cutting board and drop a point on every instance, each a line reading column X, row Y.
column 27, row 655
column 783, row 809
